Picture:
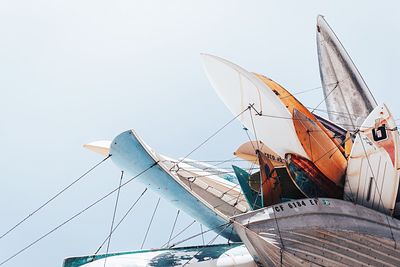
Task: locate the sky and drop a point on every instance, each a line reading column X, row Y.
column 72, row 72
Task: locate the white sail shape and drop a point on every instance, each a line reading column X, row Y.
column 372, row 177
column 347, row 95
column 239, row 89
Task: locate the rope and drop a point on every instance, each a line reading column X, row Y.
column 178, row 234
column 301, row 92
column 323, row 100
column 210, row 137
column 173, row 228
column 248, row 136
column 113, row 217
column 196, row 235
column 151, row 221
column 202, row 235
column 52, row 198
column 209, row 243
column 122, row 219
column 74, row 216
column 305, row 91
column 254, row 129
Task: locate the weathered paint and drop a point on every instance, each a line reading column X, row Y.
column 222, row 255
column 133, row 156
column 320, row 232
column 347, row 97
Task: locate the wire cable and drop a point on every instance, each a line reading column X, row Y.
column 113, row 217
column 180, row 232
column 74, row 216
column 53, row 197
column 209, row 243
column 173, row 227
column 151, row 221
column 210, row 137
column 196, row 235
column 120, row 221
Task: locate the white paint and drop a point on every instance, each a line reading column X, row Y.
column 372, row 179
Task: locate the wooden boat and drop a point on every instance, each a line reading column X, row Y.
column 320, row 232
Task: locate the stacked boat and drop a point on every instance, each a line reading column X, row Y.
column 325, row 192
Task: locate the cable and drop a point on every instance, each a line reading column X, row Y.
column 202, row 234
column 336, row 86
column 196, row 235
column 120, row 221
column 254, row 129
column 52, row 198
column 173, row 227
column 76, row 215
column 209, row 243
column 211, row 136
column 178, row 234
column 113, row 217
column 151, row 221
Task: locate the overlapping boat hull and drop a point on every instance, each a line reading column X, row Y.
column 315, row 232
column 188, row 192
column 223, row 255
column 346, row 94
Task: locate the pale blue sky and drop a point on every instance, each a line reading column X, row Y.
column 72, row 72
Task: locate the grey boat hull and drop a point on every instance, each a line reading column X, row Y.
column 320, row 232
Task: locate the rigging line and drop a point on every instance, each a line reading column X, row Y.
column 343, row 114
column 305, row 91
column 74, row 216
column 226, row 202
column 336, row 86
column 254, row 129
column 151, row 221
column 202, row 234
column 377, row 189
column 211, row 161
column 196, row 235
column 224, row 161
column 52, row 198
column 301, row 92
column 209, row 243
column 211, row 136
column 113, row 217
column 290, row 118
column 248, row 136
column 120, row 221
column 178, row 234
column 234, row 159
column 173, row 228
column 210, row 169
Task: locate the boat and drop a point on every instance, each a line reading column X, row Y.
column 221, row 255
column 372, row 177
column 321, row 149
column 254, row 104
column 320, row 232
column 347, row 96
column 207, row 198
column 247, row 151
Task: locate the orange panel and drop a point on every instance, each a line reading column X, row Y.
column 320, row 148
column 270, row 183
column 292, row 103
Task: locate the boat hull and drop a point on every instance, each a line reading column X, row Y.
column 224, row 255
column 327, row 232
column 200, row 202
